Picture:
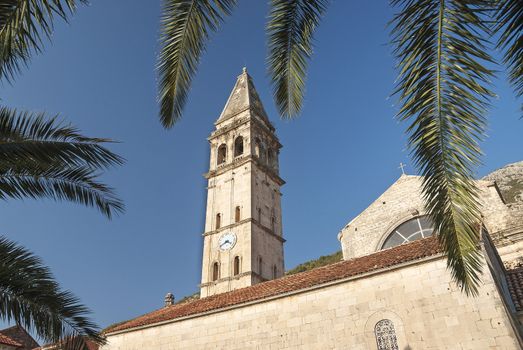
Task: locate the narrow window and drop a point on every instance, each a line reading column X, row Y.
column 237, row 213
column 257, row 147
column 238, row 146
column 273, row 224
column 274, row 272
column 222, row 154
column 236, row 265
column 215, row 271
column 386, row 335
column 260, row 266
column 218, row 220
column 259, row 216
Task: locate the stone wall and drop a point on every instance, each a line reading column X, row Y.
column 428, row 312
column 402, row 201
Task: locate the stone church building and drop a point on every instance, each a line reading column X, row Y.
column 392, row 291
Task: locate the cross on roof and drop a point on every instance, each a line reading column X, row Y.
column 402, row 166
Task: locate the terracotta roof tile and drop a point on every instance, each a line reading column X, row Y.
column 90, row 345
column 4, row 339
column 515, row 286
column 20, row 335
column 380, row 260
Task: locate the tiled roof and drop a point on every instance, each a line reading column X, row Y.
column 90, row 345
column 515, row 286
column 4, row 339
column 407, row 252
column 20, row 335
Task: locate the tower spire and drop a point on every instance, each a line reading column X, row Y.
column 243, row 97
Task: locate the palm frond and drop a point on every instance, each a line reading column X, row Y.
column 30, row 296
column 41, row 157
column 24, row 24
column 443, row 91
column 185, row 27
column 509, row 19
column 25, row 135
column 290, row 29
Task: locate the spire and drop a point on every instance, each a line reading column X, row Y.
column 243, row 97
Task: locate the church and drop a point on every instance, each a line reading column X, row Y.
column 391, row 291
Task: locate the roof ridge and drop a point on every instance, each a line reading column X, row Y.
column 377, row 261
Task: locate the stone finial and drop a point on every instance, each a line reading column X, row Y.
column 169, row 299
column 244, row 70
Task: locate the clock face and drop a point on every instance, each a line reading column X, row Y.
column 227, row 241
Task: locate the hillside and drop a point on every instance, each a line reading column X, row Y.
column 510, row 181
column 321, row 261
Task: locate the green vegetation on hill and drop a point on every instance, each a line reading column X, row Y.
column 187, row 298
column 312, row 264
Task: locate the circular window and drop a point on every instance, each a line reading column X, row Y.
column 409, row 231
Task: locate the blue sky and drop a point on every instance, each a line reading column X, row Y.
column 341, row 153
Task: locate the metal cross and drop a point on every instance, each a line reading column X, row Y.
column 401, row 167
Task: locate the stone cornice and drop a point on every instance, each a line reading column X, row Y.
column 241, row 160
column 236, row 277
column 248, row 220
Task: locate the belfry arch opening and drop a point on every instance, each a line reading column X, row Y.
column 238, row 146
column 222, row 154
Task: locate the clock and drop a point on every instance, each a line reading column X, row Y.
column 227, row 241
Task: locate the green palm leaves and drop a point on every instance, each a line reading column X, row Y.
column 509, row 18
column 443, row 88
column 30, row 296
column 290, row 30
column 185, row 28
column 443, row 92
column 43, row 158
column 23, row 26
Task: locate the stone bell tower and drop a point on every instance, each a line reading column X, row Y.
column 243, row 243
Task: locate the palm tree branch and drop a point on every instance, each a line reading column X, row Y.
column 30, row 296
column 185, row 28
column 509, row 23
column 23, row 24
column 443, row 91
column 290, row 30
column 76, row 184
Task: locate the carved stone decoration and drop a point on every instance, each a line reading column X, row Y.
column 386, row 335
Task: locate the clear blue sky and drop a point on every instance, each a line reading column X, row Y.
column 337, row 158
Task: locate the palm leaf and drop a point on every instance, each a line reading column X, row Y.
column 23, row 26
column 443, row 91
column 42, row 157
column 290, row 30
column 510, row 25
column 185, row 27
column 30, row 296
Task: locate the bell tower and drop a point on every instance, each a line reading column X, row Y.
column 243, row 243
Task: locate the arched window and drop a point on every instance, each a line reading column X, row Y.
column 386, row 335
column 274, row 272
column 238, row 146
column 222, row 154
column 237, row 214
column 236, row 265
column 259, row 216
column 218, row 220
column 260, row 266
column 215, row 271
column 409, row 231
